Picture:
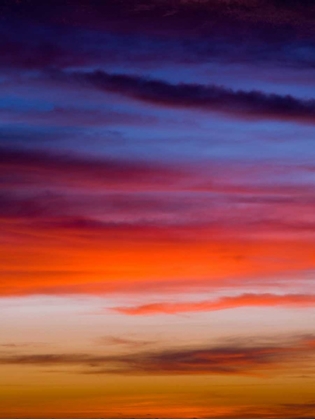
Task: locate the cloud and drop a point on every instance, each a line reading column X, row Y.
column 123, row 341
column 245, row 300
column 182, row 14
column 245, row 104
column 86, row 210
column 226, row 359
column 31, row 207
column 71, row 194
column 91, row 194
column 18, row 346
column 182, row 31
column 20, row 167
column 31, row 54
column 59, row 117
column 67, row 282
column 289, row 410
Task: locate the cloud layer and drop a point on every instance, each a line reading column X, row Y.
column 246, row 104
column 156, row 158
column 226, row 359
column 245, row 300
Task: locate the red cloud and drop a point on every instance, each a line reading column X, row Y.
column 248, row 299
column 40, row 168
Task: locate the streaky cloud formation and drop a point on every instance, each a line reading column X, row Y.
column 40, row 166
column 157, row 191
column 225, row 359
column 228, row 302
column 245, row 104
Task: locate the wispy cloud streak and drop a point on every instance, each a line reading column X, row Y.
column 245, row 300
column 227, row 359
column 239, row 103
column 29, row 166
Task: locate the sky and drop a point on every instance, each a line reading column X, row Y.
column 157, row 193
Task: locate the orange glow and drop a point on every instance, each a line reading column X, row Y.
column 88, row 266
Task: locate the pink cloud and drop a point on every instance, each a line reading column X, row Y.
column 245, row 300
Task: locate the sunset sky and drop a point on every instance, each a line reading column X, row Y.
column 157, row 196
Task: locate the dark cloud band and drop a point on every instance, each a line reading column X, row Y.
column 238, row 103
